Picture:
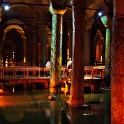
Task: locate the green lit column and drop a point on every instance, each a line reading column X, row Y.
column 56, row 45
column 107, row 58
column 104, row 20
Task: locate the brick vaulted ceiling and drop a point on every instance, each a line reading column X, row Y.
column 29, row 13
column 34, row 8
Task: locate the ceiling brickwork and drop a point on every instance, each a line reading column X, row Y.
column 32, row 17
column 28, row 1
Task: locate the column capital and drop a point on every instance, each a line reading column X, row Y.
column 57, row 7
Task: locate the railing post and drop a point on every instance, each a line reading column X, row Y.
column 27, row 73
column 39, row 73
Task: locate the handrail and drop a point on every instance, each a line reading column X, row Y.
column 12, row 72
column 93, row 70
column 38, row 72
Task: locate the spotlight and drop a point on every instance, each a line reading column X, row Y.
column 99, row 13
column 6, row 7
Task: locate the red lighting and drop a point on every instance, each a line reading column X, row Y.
column 1, row 90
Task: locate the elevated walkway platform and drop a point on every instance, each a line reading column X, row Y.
column 28, row 75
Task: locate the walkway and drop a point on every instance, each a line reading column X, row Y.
column 27, row 75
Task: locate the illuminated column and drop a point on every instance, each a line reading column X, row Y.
column 107, row 58
column 1, row 63
column 105, row 21
column 77, row 75
column 56, row 44
column 55, row 112
column 117, row 64
column 25, row 47
column 68, row 47
column 1, row 55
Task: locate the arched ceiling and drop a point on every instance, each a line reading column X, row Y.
column 10, row 27
column 32, row 9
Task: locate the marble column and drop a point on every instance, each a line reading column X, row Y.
column 55, row 111
column 42, row 43
column 106, row 20
column 87, row 49
column 57, row 10
column 35, row 48
column 1, row 51
column 25, row 58
column 1, row 54
column 117, row 64
column 107, row 58
column 77, row 76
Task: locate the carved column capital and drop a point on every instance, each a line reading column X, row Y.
column 58, row 6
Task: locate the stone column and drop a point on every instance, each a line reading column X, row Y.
column 77, row 75
column 117, row 63
column 1, row 41
column 107, row 58
column 42, row 42
column 105, row 20
column 55, row 111
column 1, row 53
column 87, row 49
column 57, row 10
column 35, row 48
column 25, row 59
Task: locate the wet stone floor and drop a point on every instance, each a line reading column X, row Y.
column 33, row 107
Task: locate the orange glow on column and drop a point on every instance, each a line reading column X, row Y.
column 97, row 52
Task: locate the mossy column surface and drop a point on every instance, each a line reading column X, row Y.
column 117, row 63
column 57, row 9
column 77, row 75
column 106, row 20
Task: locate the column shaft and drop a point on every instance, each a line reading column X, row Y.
column 117, row 72
column 1, row 54
column 117, row 63
column 43, row 40
column 56, row 52
column 107, row 58
column 77, row 75
column 35, row 49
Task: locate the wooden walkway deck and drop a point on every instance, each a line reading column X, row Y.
column 27, row 75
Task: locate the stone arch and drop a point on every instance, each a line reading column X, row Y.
column 14, row 26
column 21, row 37
column 93, row 23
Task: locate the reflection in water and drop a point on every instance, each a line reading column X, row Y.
column 13, row 114
column 58, row 110
column 55, row 112
column 86, row 114
column 35, row 108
